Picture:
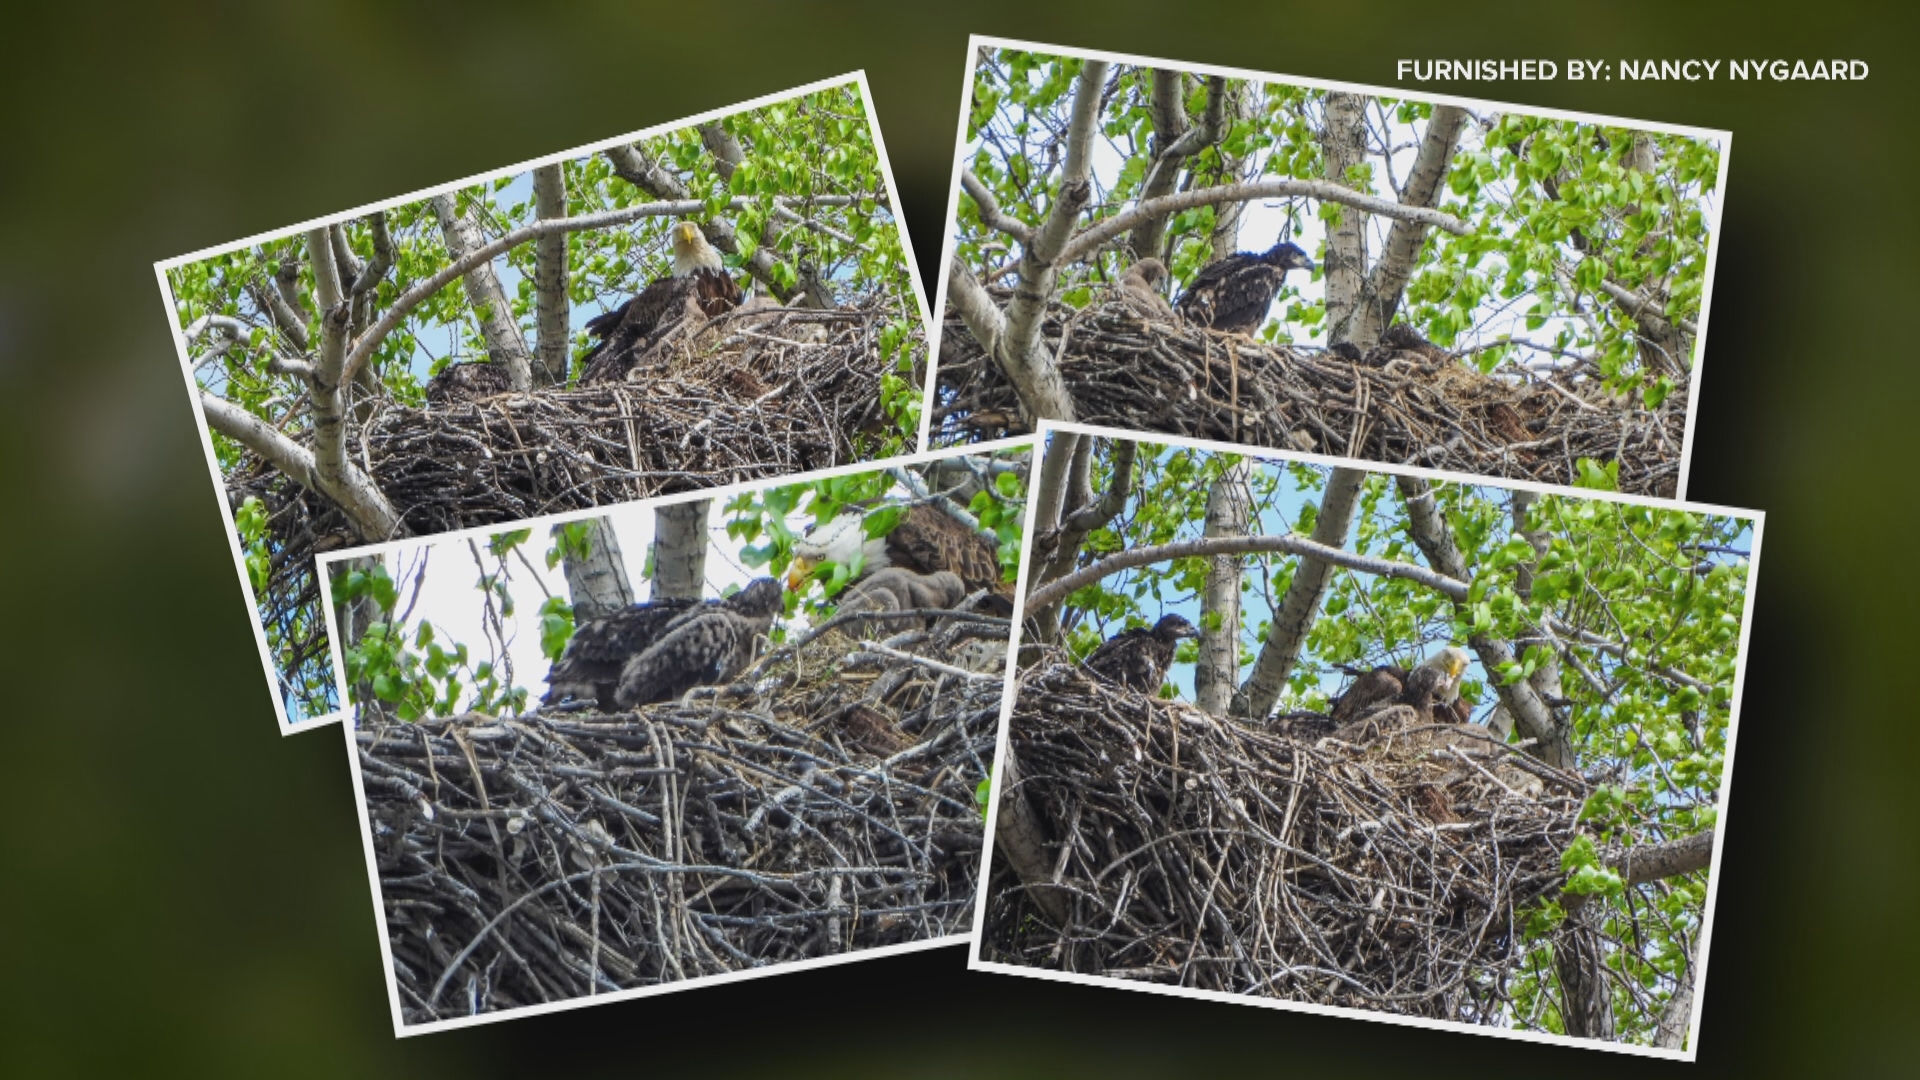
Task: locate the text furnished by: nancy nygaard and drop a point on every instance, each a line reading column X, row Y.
column 1631, row 70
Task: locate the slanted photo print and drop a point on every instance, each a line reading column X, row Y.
column 717, row 300
column 1486, row 289
column 672, row 744
column 1378, row 743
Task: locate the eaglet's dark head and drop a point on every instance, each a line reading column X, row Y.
column 760, row 598
column 1287, row 256
column 1172, row 628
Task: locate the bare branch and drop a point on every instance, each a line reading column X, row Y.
column 1040, row 255
column 1288, row 633
column 1388, row 279
column 1097, row 236
column 370, row 515
column 1451, row 588
column 1174, row 142
column 1434, row 537
column 989, row 209
column 491, row 308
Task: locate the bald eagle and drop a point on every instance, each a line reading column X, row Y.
column 629, row 332
column 926, row 540
column 600, row 648
column 1234, row 293
column 1140, row 290
column 708, row 644
column 1432, row 689
column 1138, row 659
column 692, row 253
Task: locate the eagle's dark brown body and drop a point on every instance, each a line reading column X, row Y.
column 707, row 645
column 1234, row 293
column 663, row 647
column 1138, row 659
column 468, row 381
column 1419, row 689
column 629, row 332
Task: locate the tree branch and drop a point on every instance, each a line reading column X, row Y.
column 1096, row 236
column 989, row 209
column 1434, row 537
column 1288, row 633
column 1245, row 545
column 1040, row 256
column 297, row 463
column 505, row 345
column 1388, row 279
column 1174, row 142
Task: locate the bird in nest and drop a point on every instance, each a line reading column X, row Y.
column 1431, row 689
column 656, row 651
column 926, row 541
column 1233, row 294
column 1138, row 659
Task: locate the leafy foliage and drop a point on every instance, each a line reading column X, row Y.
column 1558, row 209
column 1641, row 606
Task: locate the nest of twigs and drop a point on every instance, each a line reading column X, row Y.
column 818, row 806
column 731, row 404
column 1385, row 871
column 1124, row 371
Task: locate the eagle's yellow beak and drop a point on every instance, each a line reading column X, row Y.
column 686, row 234
column 799, row 571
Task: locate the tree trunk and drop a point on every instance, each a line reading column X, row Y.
column 1243, row 103
column 550, row 278
column 505, row 346
column 598, row 582
column 679, row 555
column 1302, row 601
column 1229, row 503
column 1343, row 147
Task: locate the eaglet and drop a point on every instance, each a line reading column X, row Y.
column 1233, row 294
column 709, row 644
column 1138, row 659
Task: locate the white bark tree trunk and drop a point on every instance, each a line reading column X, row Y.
column 679, row 554
column 550, row 278
column 597, row 584
column 1229, row 504
column 491, row 308
column 1343, row 147
column 1301, row 604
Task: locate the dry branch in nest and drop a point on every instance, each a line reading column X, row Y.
column 1124, row 371
column 797, row 813
column 744, row 399
column 1389, row 872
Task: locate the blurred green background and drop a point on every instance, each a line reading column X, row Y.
column 184, row 891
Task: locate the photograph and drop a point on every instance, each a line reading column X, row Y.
column 680, row 741
column 1379, row 743
column 718, row 300
column 1327, row 268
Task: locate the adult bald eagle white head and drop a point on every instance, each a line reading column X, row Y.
column 1449, row 664
column 691, row 251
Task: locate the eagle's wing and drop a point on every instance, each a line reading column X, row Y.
column 710, row 646
column 1381, row 685
column 1134, row 659
column 599, row 648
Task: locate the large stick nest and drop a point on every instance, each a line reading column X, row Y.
column 734, row 403
column 819, row 806
column 1384, row 867
column 1124, row 371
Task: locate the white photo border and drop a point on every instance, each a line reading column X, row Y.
column 178, row 332
column 977, row 42
column 1756, row 518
